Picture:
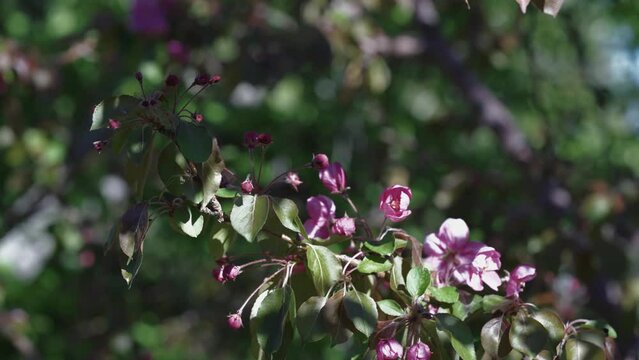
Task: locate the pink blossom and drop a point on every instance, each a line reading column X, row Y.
column 319, row 162
column 148, row 17
column 234, row 321
column 333, row 178
column 113, row 124
column 218, row 274
column 293, row 179
column 343, row 226
column 247, row 186
column 321, row 211
column 394, row 202
column 418, row 351
column 389, row 349
column 457, row 260
column 518, row 279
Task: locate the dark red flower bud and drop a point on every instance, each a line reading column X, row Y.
column 320, row 162
column 138, row 76
column 145, row 103
column 99, row 145
column 171, row 80
column 215, row 79
column 264, row 139
column 201, row 80
column 247, row 186
column 234, row 321
column 250, row 139
column 218, row 274
column 231, row 272
column 198, row 117
column 113, row 124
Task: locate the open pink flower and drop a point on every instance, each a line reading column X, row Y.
column 389, row 349
column 321, row 212
column 418, row 351
column 293, row 179
column 333, row 178
column 457, row 260
column 394, row 202
column 518, row 279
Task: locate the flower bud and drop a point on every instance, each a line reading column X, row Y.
column 231, row 272
column 264, row 139
column 202, row 79
column 293, row 179
column 418, row 351
column 394, row 202
column 198, row 117
column 250, row 139
column 319, row 162
column 389, row 349
column 247, row 186
column 234, row 321
column 99, row 145
column 138, row 76
column 215, row 79
column 333, row 178
column 113, row 124
column 343, row 226
column 218, row 274
column 171, row 80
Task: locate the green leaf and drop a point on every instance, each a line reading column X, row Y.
column 212, row 173
column 374, row 263
column 385, row 246
column 194, row 141
column 119, row 108
column 552, row 323
column 324, row 267
column 460, row 336
column 132, row 230
column 527, row 335
column 171, row 169
column 600, row 325
column 390, row 307
column 309, row 321
column 335, row 319
column 492, row 303
column 221, row 237
column 362, row 311
column 446, row 294
column 583, row 350
column 270, row 317
column 396, row 276
column 226, row 193
column 493, row 340
column 189, row 221
column 287, row 212
column 417, row 281
column 249, row 215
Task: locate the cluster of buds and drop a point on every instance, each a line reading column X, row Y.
column 391, row 349
column 253, row 139
column 226, row 272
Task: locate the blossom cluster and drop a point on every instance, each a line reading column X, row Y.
column 391, row 349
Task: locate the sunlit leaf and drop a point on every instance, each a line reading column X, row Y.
column 417, row 281
column 362, row 311
column 390, row 307
column 460, row 336
column 249, row 215
column 324, row 267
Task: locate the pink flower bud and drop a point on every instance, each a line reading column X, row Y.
column 113, row 124
column 264, row 139
column 138, row 76
column 250, row 139
column 231, row 272
column 234, row 321
column 99, row 145
column 293, row 179
column 198, row 117
column 389, row 349
column 171, row 81
column 202, row 79
column 343, row 226
column 518, row 279
column 247, row 186
column 418, row 351
column 333, row 178
column 319, row 162
column 215, row 79
column 218, row 274
column 394, row 202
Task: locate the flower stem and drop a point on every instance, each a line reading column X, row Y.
column 258, row 289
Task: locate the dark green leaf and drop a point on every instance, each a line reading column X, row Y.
column 335, row 319
column 390, row 307
column 396, row 276
column 494, row 337
column 171, row 165
column 492, row 303
column 385, row 246
column 446, row 294
column 374, row 263
column 270, row 317
column 221, row 237
column 600, row 325
column 249, row 215
column 194, row 141
column 189, row 221
column 309, row 321
column 226, row 193
column 417, row 281
column 119, row 108
column 362, row 311
column 552, row 323
column 323, row 266
column 287, row 212
column 460, row 336
column 527, row 335
column 583, row 350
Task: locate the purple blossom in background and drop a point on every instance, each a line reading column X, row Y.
column 518, row 279
column 178, row 51
column 148, row 17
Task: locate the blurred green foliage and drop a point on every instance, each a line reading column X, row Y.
column 321, row 76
